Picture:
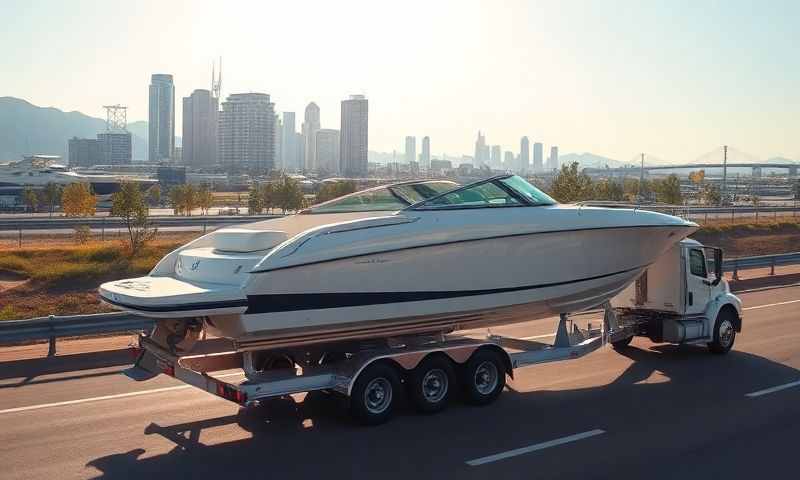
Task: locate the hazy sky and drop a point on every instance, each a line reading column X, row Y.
column 674, row 78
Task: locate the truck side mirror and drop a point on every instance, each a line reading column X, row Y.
column 717, row 267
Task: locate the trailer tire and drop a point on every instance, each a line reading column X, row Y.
column 724, row 332
column 374, row 394
column 483, row 377
column 430, row 383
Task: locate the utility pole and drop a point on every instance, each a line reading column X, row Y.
column 724, row 174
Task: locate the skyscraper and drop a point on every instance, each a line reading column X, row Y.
column 115, row 147
column 552, row 163
column 289, row 152
column 425, row 156
column 200, row 111
column 327, row 143
column 246, row 136
column 161, row 118
column 84, row 152
column 537, row 157
column 310, row 127
column 411, row 149
column 480, row 150
column 354, row 141
column 496, row 160
column 524, row 155
column 508, row 162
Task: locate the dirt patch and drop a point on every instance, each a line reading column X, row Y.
column 752, row 239
column 9, row 280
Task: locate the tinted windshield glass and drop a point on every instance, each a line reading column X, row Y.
column 528, row 191
column 381, row 199
column 482, row 195
column 417, row 192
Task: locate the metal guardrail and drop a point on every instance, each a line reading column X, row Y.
column 761, row 261
column 53, row 327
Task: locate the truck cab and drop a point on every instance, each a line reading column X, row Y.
column 682, row 297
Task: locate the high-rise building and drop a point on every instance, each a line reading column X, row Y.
column 411, row 149
column 508, row 162
column 278, row 143
column 327, row 143
column 246, row 136
column 289, row 160
column 496, row 160
column 161, row 118
column 115, row 147
column 84, row 152
column 425, row 155
column 310, row 126
column 200, row 112
column 552, row 162
column 537, row 157
column 480, row 150
column 354, row 141
column 524, row 155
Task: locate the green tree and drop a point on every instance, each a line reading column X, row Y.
column 608, row 190
column 331, row 190
column 51, row 195
column 205, row 199
column 30, row 198
column 288, row 194
column 184, row 199
column 129, row 204
column 570, row 185
column 268, row 196
column 710, row 194
column 669, row 190
column 77, row 200
column 255, row 200
column 154, row 195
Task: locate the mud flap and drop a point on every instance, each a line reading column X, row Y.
column 145, row 368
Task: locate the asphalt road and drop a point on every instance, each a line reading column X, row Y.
column 652, row 412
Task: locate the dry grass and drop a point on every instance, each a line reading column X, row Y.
column 740, row 240
column 63, row 279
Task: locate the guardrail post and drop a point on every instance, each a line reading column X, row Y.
column 736, row 270
column 772, row 266
column 51, row 349
column 20, row 236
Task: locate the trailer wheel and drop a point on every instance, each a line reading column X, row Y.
column 483, row 377
column 724, row 332
column 374, row 394
column 430, row 384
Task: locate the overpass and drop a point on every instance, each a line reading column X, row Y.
column 757, row 167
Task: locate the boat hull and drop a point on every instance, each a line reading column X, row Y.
column 446, row 287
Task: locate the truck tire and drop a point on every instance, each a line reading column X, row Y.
column 374, row 394
column 430, row 383
column 483, row 377
column 724, row 332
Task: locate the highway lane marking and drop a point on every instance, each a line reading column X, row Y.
column 771, row 305
column 546, row 335
column 533, row 448
column 778, row 388
column 104, row 397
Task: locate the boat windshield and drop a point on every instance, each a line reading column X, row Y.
column 385, row 198
column 505, row 191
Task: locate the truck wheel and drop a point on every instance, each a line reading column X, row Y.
column 374, row 394
column 430, row 384
column 483, row 377
column 724, row 333
column 621, row 344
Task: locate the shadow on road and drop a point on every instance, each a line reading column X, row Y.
column 314, row 437
column 27, row 370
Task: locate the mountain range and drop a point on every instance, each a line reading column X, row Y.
column 29, row 129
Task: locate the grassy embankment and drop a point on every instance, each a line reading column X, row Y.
column 62, row 279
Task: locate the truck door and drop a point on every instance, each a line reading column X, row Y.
column 698, row 290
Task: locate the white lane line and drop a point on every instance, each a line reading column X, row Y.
column 534, row 448
column 778, row 388
column 104, row 397
column 546, row 335
column 771, row 305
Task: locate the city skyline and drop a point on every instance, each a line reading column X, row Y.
column 695, row 75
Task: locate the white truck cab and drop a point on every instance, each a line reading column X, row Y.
column 681, row 298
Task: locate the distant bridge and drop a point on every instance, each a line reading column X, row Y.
column 757, row 167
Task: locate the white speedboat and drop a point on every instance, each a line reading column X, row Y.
column 413, row 257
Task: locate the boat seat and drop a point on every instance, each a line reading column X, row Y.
column 244, row 240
